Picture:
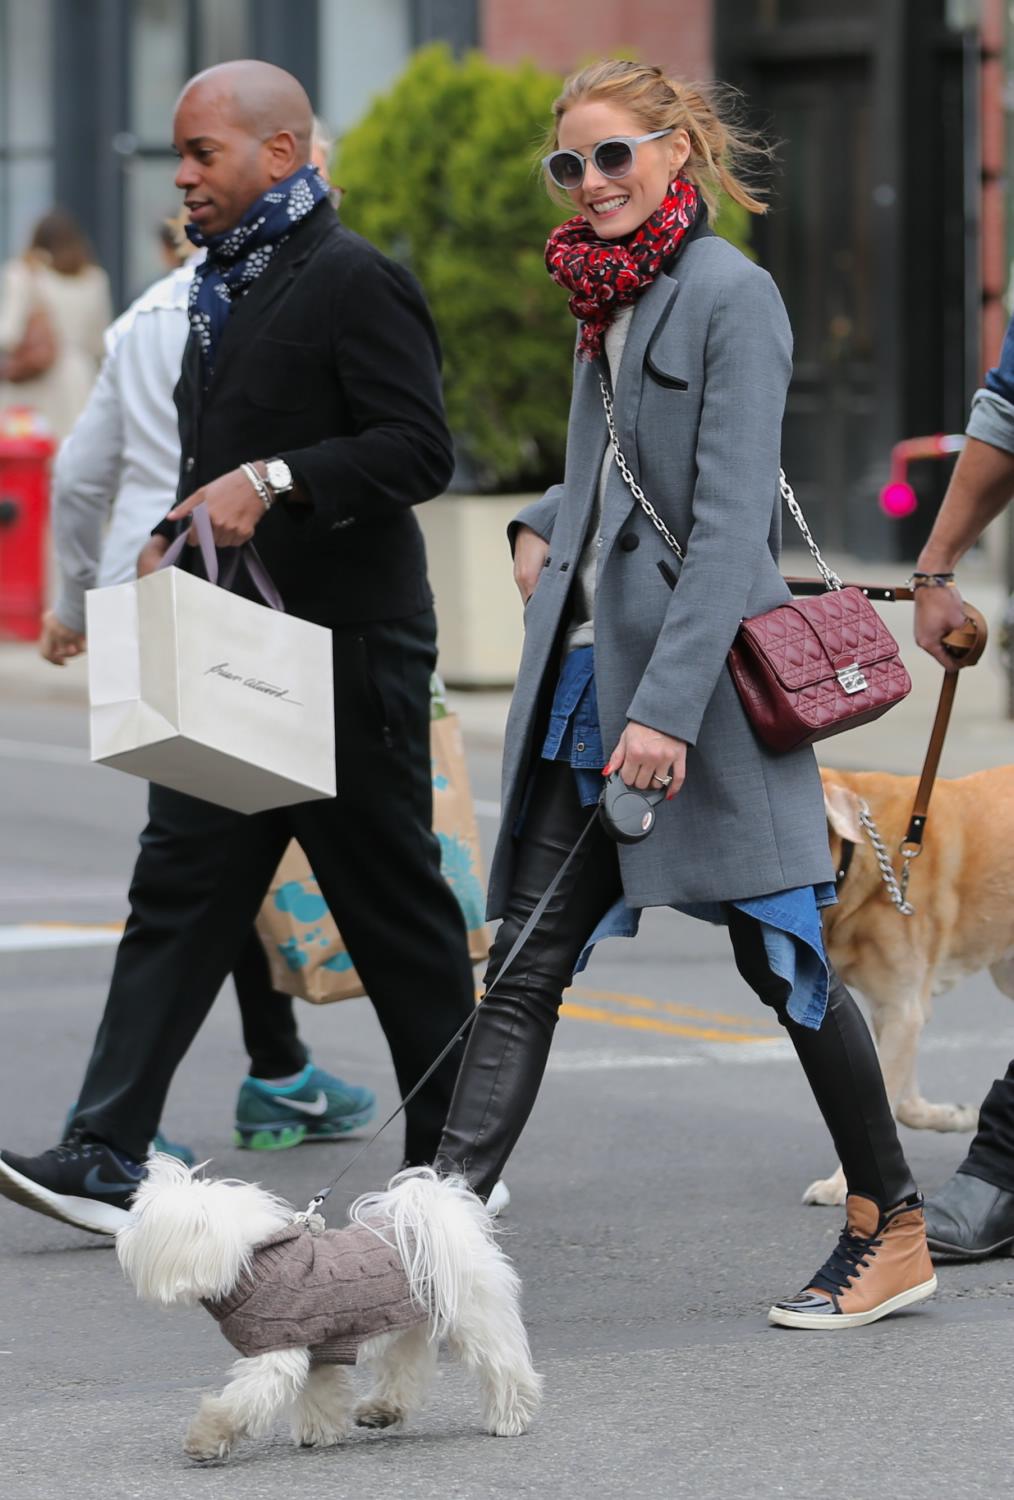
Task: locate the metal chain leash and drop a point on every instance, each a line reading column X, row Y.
column 828, row 574
column 897, row 891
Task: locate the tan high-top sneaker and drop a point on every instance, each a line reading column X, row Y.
column 880, row 1264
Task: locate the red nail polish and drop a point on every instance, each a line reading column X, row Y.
column 605, row 770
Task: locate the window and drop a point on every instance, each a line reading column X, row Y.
column 362, row 50
column 26, row 120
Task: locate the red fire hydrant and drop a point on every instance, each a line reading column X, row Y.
column 26, row 451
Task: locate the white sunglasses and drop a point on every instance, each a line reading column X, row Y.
column 613, row 157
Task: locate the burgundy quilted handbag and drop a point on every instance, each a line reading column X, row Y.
column 809, row 668
column 814, row 667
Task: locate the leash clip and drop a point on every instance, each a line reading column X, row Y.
column 310, row 1218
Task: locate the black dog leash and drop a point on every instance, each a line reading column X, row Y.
column 516, row 947
column 628, row 815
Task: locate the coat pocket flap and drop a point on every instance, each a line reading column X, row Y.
column 664, row 377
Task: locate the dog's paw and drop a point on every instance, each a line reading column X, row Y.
column 509, row 1412
column 827, row 1192
column 919, row 1114
column 378, row 1414
column 511, row 1424
column 211, row 1435
column 318, row 1435
column 205, row 1448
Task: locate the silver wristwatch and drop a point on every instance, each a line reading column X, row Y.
column 278, row 475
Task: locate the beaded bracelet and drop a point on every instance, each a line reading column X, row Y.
column 932, row 581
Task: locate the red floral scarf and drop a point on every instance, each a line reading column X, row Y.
column 604, row 275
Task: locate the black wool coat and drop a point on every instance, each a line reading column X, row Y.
column 329, row 361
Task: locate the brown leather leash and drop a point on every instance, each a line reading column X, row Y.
column 966, row 644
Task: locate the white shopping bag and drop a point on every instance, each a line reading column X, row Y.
column 197, row 689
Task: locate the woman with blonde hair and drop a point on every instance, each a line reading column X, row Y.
column 684, row 344
column 54, row 308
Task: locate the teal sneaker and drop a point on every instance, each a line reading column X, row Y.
column 317, row 1107
column 158, row 1143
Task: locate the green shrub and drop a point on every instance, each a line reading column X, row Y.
column 439, row 175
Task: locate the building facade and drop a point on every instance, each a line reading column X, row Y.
column 87, row 89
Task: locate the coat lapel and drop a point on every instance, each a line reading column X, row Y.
column 252, row 310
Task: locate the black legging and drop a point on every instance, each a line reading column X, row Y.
column 510, row 1039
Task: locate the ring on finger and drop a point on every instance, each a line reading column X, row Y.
column 663, row 781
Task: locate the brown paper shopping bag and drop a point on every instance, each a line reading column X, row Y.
column 305, row 949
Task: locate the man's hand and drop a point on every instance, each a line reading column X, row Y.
column 151, row 555
column 646, row 757
column 937, row 612
column 58, row 643
column 234, row 508
column 530, row 551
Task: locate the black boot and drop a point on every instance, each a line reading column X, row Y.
column 969, row 1218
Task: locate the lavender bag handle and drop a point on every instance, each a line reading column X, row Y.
column 258, row 574
column 201, row 522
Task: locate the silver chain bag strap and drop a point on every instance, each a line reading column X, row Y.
column 828, row 574
column 808, row 668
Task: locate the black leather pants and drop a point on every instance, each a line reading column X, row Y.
column 509, row 1043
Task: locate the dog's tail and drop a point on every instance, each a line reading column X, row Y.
column 442, row 1233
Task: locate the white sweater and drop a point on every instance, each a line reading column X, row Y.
column 581, row 631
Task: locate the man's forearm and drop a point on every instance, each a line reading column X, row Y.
column 981, row 486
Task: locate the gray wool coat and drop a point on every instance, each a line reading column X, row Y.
column 699, row 401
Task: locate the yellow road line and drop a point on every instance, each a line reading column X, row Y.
column 673, row 1008
column 84, row 927
column 665, row 1028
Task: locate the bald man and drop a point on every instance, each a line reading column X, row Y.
column 310, row 413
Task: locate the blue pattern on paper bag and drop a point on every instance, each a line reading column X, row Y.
column 305, row 905
column 458, row 869
column 339, row 964
column 293, row 954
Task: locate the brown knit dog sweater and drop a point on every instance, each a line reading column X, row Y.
column 330, row 1292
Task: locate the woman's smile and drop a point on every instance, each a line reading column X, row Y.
column 604, row 208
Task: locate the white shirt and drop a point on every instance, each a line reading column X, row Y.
column 117, row 471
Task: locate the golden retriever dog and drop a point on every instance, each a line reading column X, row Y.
column 962, row 889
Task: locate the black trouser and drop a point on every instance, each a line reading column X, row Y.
column 203, row 872
column 991, row 1154
column 270, row 1034
column 509, row 1042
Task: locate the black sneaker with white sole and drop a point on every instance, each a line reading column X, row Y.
column 81, row 1182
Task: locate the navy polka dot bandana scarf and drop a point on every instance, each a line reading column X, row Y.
column 237, row 256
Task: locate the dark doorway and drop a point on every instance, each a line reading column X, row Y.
column 873, row 238
column 817, row 245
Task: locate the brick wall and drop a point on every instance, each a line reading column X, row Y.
column 563, row 34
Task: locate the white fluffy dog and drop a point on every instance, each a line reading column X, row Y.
column 423, row 1252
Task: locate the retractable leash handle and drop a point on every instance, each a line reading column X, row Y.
column 628, row 815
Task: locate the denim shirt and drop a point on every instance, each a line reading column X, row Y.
column 574, row 734
column 992, row 415
column 789, row 919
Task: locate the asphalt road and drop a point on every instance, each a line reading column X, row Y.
column 656, row 1215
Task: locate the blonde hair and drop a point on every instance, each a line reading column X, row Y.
column 717, row 145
